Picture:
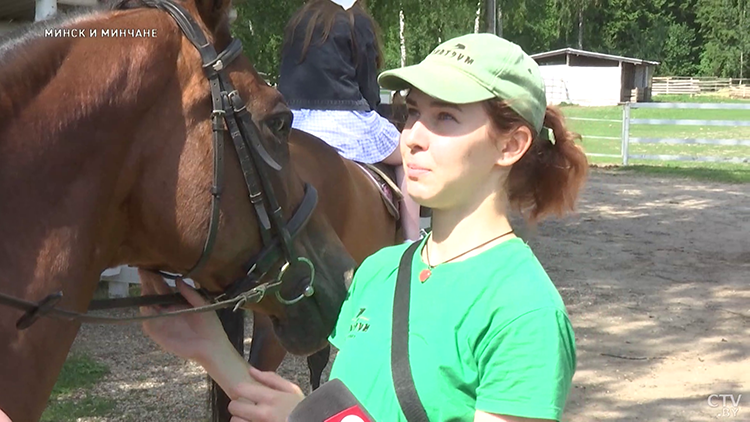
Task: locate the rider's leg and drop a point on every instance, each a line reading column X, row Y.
column 409, row 208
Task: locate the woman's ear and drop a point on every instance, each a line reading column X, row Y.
column 514, row 145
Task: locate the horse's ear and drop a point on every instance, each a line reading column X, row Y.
column 213, row 12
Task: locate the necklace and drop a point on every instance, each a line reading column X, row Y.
column 427, row 272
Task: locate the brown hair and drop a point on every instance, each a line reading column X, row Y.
column 323, row 14
column 548, row 178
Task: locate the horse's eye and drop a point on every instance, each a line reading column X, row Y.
column 281, row 125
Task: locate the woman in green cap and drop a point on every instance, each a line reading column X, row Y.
column 488, row 336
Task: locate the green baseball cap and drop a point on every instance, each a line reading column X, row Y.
column 477, row 67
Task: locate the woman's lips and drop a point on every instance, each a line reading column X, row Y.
column 414, row 171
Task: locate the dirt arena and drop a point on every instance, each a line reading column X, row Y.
column 655, row 273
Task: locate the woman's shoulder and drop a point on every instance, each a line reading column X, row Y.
column 387, row 258
column 514, row 281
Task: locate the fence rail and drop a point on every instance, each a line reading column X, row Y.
column 691, row 85
column 609, row 138
column 627, row 121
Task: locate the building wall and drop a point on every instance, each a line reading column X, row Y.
column 643, row 76
column 582, row 85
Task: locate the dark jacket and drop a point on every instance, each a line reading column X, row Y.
column 333, row 76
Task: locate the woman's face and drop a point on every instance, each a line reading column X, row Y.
column 449, row 158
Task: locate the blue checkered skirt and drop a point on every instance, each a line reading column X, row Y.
column 363, row 136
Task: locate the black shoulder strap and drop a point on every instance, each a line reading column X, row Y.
column 400, row 366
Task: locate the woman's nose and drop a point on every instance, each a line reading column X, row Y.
column 416, row 136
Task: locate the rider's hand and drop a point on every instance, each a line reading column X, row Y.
column 191, row 336
column 272, row 399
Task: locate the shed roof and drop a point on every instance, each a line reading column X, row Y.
column 576, row 52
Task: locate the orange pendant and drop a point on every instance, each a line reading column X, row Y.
column 424, row 275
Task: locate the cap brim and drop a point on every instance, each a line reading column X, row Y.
column 445, row 83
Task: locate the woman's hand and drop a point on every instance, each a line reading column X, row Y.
column 272, row 399
column 190, row 336
column 198, row 336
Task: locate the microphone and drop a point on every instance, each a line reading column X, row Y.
column 331, row 402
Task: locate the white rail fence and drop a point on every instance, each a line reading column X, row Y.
column 120, row 278
column 608, row 138
column 627, row 140
column 700, row 85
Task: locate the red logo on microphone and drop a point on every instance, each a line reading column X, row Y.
column 352, row 414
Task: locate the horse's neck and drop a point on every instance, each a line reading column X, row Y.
column 64, row 155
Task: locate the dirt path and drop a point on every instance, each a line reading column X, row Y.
column 656, row 276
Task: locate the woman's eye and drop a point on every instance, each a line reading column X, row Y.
column 412, row 112
column 443, row 116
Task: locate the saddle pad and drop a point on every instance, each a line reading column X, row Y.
column 389, row 191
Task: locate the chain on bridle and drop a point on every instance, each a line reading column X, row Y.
column 229, row 114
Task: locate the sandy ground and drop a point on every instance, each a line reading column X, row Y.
column 655, row 273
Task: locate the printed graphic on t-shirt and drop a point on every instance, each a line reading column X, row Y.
column 359, row 323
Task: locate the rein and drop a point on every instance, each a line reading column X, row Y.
column 229, row 113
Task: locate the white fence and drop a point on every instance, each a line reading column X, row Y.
column 627, row 140
column 609, row 138
column 697, row 85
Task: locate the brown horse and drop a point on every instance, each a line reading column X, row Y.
column 266, row 353
column 106, row 158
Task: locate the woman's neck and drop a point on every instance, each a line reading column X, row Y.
column 456, row 230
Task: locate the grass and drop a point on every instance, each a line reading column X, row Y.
column 725, row 172
column 79, row 374
column 698, row 98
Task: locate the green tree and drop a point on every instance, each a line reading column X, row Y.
column 724, row 28
column 574, row 12
column 636, row 28
column 260, row 27
column 679, row 54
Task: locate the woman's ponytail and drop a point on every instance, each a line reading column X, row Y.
column 548, row 178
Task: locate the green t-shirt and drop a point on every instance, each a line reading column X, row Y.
column 487, row 333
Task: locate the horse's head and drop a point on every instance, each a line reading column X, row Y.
column 171, row 210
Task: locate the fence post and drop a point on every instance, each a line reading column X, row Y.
column 45, row 9
column 625, row 132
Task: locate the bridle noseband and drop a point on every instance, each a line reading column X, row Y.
column 230, row 114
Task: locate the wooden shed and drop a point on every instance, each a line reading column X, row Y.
column 588, row 78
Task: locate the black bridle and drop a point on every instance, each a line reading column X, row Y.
column 229, row 114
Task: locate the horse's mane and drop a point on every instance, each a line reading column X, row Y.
column 15, row 51
column 34, row 30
